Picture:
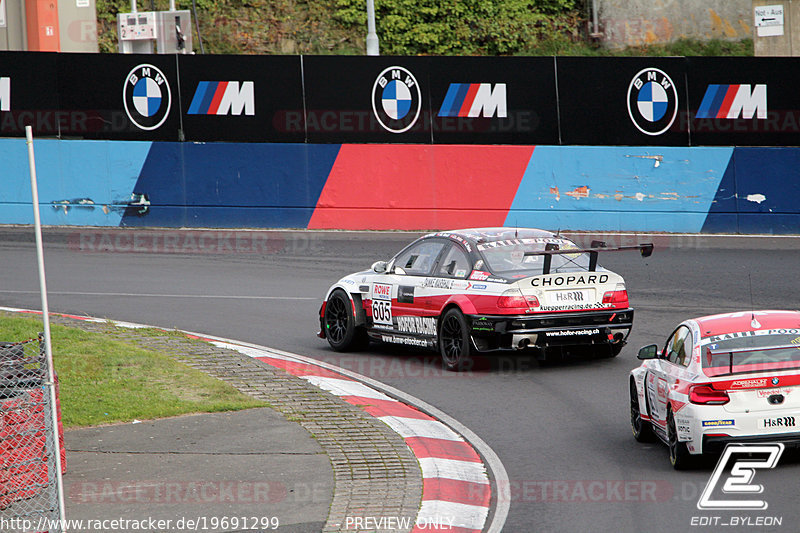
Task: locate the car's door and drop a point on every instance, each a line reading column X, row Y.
column 665, row 371
column 395, row 294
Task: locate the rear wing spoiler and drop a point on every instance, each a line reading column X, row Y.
column 730, row 353
column 552, row 249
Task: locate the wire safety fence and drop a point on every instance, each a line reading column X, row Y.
column 28, row 484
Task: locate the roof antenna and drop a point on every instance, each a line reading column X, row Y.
column 558, row 232
column 516, row 229
column 753, row 322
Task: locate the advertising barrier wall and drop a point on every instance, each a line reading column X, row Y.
column 409, row 187
column 628, row 101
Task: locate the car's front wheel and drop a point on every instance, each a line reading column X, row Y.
column 679, row 456
column 642, row 430
column 454, row 342
column 339, row 321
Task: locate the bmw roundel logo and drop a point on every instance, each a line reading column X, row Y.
column 146, row 96
column 775, row 381
column 652, row 101
column 396, row 99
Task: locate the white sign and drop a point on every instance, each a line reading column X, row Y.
column 2, row 13
column 768, row 20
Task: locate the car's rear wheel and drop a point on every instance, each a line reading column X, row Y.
column 642, row 430
column 679, row 456
column 454, row 343
column 340, row 329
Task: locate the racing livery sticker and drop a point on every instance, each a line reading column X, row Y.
column 405, row 294
column 382, row 305
column 146, row 96
column 717, row 423
column 421, row 325
column 396, row 99
column 652, row 101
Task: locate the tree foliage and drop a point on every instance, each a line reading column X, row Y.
column 466, row 27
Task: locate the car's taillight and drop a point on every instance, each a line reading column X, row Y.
column 618, row 297
column 533, row 301
column 513, row 299
column 705, row 395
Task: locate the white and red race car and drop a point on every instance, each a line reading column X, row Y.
column 729, row 378
column 481, row 290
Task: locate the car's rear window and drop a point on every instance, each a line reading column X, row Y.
column 752, row 351
column 508, row 256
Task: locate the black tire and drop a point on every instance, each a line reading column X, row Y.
column 642, row 430
column 340, row 329
column 679, row 456
column 455, row 345
column 615, row 349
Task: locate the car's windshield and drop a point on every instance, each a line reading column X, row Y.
column 509, row 256
column 752, row 352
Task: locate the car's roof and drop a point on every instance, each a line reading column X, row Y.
column 743, row 321
column 495, row 234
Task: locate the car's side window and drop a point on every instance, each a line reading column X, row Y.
column 679, row 346
column 455, row 264
column 419, row 258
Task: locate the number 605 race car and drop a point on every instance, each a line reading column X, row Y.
column 730, row 378
column 479, row 290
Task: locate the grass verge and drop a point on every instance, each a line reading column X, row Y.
column 104, row 380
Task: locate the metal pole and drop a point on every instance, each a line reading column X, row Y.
column 46, row 318
column 133, row 6
column 372, row 37
column 595, row 24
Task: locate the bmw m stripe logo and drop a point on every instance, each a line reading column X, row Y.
column 146, row 96
column 396, row 99
column 652, row 101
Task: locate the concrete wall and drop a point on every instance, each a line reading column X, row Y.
column 412, row 187
column 642, row 22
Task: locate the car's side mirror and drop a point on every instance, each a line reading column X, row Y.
column 648, row 352
column 379, row 267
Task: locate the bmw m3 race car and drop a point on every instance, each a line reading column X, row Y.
column 730, row 378
column 480, row 290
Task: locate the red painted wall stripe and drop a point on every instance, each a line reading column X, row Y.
column 420, row 186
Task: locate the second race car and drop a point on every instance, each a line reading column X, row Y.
column 481, row 290
column 722, row 379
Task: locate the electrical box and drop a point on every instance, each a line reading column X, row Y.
column 174, row 32
column 136, row 32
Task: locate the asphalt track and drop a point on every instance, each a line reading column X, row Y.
column 562, row 432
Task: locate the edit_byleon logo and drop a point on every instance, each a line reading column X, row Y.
column 652, row 101
column 146, row 96
column 396, row 99
column 731, row 485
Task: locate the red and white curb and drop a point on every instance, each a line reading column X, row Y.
column 456, row 491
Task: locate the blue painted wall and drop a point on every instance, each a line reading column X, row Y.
column 129, row 183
